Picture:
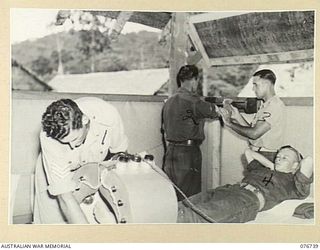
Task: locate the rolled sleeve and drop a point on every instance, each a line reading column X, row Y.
column 205, row 110
column 274, row 113
column 302, row 184
column 270, row 116
column 57, row 168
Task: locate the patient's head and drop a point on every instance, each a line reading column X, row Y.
column 287, row 160
column 62, row 118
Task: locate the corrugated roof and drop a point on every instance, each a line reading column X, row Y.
column 153, row 19
column 254, row 37
column 134, row 82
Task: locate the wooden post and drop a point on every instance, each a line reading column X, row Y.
column 211, row 163
column 211, row 156
column 177, row 48
column 122, row 18
column 205, row 79
column 215, row 175
column 178, row 57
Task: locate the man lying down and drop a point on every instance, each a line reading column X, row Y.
column 265, row 184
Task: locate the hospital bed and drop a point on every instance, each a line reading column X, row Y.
column 139, row 192
column 283, row 213
column 141, row 195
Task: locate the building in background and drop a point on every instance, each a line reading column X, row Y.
column 23, row 79
column 133, row 82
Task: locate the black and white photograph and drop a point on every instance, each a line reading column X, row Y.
column 158, row 117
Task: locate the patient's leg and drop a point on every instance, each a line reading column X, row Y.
column 227, row 204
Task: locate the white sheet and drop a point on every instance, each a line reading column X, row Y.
column 282, row 214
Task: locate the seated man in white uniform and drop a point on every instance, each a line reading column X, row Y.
column 74, row 133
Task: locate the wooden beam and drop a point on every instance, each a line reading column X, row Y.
column 177, row 48
column 38, row 95
column 122, row 18
column 197, row 42
column 271, row 58
column 298, row 101
column 211, row 164
column 195, row 58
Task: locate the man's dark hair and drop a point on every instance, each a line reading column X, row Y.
column 60, row 117
column 187, row 72
column 266, row 74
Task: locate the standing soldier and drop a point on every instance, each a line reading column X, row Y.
column 183, row 123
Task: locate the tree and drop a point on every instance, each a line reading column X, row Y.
column 41, row 66
column 93, row 33
column 91, row 43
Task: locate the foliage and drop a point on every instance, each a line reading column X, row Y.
column 131, row 51
column 92, row 42
column 228, row 81
column 42, row 66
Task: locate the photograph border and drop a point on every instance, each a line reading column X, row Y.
column 146, row 233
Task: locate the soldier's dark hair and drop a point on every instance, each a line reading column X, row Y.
column 60, row 117
column 266, row 74
column 187, row 72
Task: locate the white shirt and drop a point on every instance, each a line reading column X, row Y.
column 105, row 133
column 273, row 111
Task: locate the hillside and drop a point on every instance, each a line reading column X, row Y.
column 134, row 51
column 131, row 51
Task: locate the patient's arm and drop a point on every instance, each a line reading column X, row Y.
column 252, row 155
column 306, row 166
column 303, row 178
column 248, row 155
